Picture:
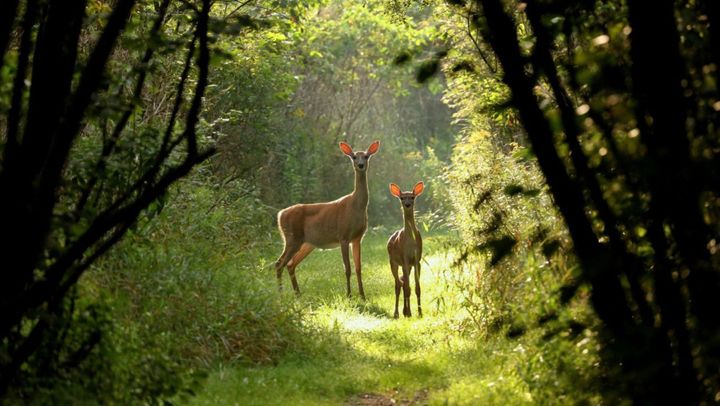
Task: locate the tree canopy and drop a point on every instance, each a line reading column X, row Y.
column 569, row 152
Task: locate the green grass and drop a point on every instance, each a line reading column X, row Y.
column 195, row 306
column 351, row 348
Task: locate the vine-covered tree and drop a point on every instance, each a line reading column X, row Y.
column 619, row 101
column 76, row 169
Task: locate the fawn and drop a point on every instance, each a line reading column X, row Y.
column 405, row 249
column 342, row 222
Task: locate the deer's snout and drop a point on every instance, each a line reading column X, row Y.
column 361, row 166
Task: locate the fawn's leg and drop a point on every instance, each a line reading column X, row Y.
column 345, row 248
column 358, row 266
column 417, row 287
column 406, row 291
column 398, row 286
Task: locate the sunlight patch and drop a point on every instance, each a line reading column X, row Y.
column 360, row 322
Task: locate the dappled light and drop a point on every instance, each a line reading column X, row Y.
column 359, row 322
column 220, row 202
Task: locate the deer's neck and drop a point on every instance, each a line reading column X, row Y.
column 360, row 193
column 409, row 219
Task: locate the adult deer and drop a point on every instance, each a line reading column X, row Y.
column 342, row 222
column 405, row 248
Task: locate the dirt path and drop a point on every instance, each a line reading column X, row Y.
column 355, row 353
column 390, row 399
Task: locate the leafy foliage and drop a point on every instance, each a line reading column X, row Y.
column 574, row 183
column 292, row 92
column 625, row 149
column 65, row 140
column 274, row 66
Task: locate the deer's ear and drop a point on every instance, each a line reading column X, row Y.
column 373, row 148
column 346, row 149
column 395, row 190
column 418, row 189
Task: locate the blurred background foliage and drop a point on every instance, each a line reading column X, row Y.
column 627, row 151
column 288, row 81
column 287, row 95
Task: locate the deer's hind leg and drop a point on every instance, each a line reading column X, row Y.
column 291, row 247
column 305, row 250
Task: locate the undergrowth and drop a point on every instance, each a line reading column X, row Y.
column 191, row 313
column 188, row 289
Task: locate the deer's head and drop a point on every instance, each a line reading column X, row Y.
column 407, row 199
column 360, row 159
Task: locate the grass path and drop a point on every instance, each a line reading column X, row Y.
column 356, row 353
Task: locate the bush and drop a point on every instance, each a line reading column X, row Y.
column 167, row 302
column 510, row 232
column 515, row 261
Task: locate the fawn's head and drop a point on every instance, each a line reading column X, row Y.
column 360, row 159
column 407, row 199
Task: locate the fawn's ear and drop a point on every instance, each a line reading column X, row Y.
column 418, row 189
column 346, row 149
column 395, row 190
column 373, row 148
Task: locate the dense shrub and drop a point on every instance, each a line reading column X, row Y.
column 510, row 230
column 167, row 304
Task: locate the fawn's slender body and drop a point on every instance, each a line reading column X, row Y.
column 342, row 222
column 405, row 249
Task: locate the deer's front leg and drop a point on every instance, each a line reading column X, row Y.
column 358, row 266
column 398, row 286
column 406, row 291
column 345, row 248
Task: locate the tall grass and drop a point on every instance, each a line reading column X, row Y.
column 192, row 314
column 358, row 349
column 190, row 290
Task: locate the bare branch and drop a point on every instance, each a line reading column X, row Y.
column 8, row 11
column 121, row 220
column 16, row 106
column 241, row 5
column 203, row 63
column 477, row 44
column 111, row 142
column 167, row 146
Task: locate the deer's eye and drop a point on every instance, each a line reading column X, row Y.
column 354, row 157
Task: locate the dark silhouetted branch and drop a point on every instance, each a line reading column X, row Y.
column 8, row 12
column 110, row 143
column 608, row 295
column 625, row 261
column 675, row 187
column 16, row 105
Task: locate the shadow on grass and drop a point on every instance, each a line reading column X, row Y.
column 372, row 309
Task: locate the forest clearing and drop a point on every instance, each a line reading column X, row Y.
column 357, row 348
column 541, row 175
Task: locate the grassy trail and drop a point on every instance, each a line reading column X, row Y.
column 356, row 353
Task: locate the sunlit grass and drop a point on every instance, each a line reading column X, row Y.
column 356, row 347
